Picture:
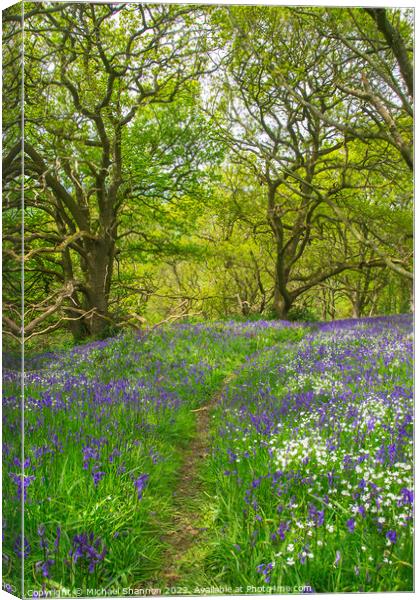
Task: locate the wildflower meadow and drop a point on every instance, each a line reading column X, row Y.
column 306, row 483
column 207, row 298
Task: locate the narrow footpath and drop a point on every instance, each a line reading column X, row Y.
column 190, row 522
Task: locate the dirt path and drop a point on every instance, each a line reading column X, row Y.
column 188, row 530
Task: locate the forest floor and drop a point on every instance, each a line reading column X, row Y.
column 216, row 458
column 188, row 532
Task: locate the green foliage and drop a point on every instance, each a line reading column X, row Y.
column 303, row 314
column 131, row 405
column 207, row 160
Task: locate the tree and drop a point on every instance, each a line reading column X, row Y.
column 12, row 61
column 89, row 71
column 300, row 160
column 370, row 61
column 180, row 159
column 168, row 151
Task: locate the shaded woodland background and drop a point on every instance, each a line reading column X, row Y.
column 205, row 162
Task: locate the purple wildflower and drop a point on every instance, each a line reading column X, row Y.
column 265, row 569
column 308, row 589
column 140, row 483
column 44, row 566
column 97, row 475
column 89, row 454
column 337, row 558
column 391, row 535
column 407, row 497
column 87, row 549
column 22, row 549
column 57, row 539
column 114, row 454
column 351, row 523
column 22, row 482
column 283, row 527
column 17, row 462
column 42, row 542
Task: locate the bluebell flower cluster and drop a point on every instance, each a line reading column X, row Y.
column 317, row 446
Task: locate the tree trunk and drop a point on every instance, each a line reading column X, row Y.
column 281, row 305
column 76, row 323
column 72, row 311
column 282, row 300
column 99, row 274
column 324, row 305
column 356, row 303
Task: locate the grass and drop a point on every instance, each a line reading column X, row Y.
column 97, row 419
column 312, row 467
column 311, row 433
